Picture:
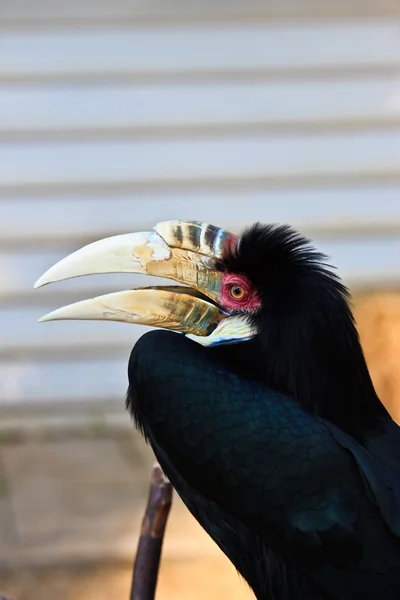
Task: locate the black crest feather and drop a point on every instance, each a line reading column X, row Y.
column 308, row 346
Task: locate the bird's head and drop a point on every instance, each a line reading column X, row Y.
column 268, row 288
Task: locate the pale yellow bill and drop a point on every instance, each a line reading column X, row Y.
column 127, row 253
column 184, row 251
column 144, row 252
column 159, row 307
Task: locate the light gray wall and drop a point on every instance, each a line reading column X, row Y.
column 112, row 123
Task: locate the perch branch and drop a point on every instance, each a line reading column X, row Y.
column 147, row 562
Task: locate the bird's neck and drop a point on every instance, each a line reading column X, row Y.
column 319, row 361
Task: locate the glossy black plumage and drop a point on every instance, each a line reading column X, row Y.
column 279, row 446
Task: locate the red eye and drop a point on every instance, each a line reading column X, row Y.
column 237, row 292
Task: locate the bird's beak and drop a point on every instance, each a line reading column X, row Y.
column 184, row 251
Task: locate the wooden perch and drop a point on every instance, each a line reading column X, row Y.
column 147, row 562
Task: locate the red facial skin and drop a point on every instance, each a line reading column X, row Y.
column 248, row 302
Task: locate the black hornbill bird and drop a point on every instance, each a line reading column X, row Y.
column 263, row 414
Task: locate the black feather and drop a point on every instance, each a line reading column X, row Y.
column 308, row 346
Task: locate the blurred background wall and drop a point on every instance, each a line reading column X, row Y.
column 117, row 115
column 114, row 116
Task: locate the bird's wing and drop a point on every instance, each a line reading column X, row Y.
column 267, row 573
column 381, row 468
column 256, row 453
